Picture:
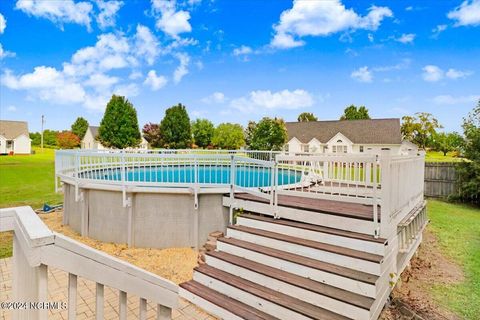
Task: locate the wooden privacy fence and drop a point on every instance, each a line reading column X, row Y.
column 440, row 179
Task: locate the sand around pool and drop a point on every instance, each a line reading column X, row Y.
column 175, row 264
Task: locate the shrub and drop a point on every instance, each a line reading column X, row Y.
column 67, row 140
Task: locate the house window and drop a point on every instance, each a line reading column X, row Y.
column 361, row 148
column 306, row 148
column 339, row 149
column 286, row 147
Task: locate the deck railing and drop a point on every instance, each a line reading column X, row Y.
column 392, row 183
column 36, row 248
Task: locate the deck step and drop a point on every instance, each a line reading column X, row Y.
column 273, row 302
column 363, row 261
column 340, row 301
column 342, row 238
column 331, row 207
column 219, row 304
column 337, row 276
column 354, row 218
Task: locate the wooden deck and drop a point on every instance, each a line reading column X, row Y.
column 338, row 208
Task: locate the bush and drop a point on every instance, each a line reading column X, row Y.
column 67, row 140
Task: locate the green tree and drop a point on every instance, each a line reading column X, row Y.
column 119, row 126
column 468, row 172
column 79, row 127
column 202, row 130
column 67, row 140
column 49, row 138
column 269, row 134
column 306, row 116
column 175, row 128
column 446, row 142
column 228, row 136
column 249, row 132
column 353, row 112
column 420, row 129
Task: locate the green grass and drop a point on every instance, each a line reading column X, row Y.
column 28, row 180
column 457, row 228
column 437, row 156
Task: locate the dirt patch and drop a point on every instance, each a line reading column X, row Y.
column 429, row 266
column 175, row 264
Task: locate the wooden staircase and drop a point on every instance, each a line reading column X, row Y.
column 266, row 268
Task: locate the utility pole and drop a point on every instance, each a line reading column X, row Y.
column 43, row 122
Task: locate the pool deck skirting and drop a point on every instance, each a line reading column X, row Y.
column 153, row 219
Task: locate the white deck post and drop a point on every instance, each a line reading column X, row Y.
column 29, row 284
column 386, row 181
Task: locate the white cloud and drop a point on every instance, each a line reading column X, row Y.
column 467, row 14
column 127, row 90
column 362, row 74
column 438, row 29
column 108, row 11
column 146, row 44
column 432, row 73
column 3, row 23
column 170, row 21
column 12, row 108
column 155, row 82
column 457, row 74
column 59, row 12
column 110, row 52
column 322, row 18
column 216, row 97
column 182, row 69
column 451, row 100
column 135, row 75
column 265, row 99
column 406, row 38
column 243, row 50
column 100, row 81
column 5, row 54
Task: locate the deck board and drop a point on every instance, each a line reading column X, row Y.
column 305, row 261
column 338, row 208
column 295, row 280
column 281, row 299
column 314, row 227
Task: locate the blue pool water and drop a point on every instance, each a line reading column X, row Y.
column 244, row 177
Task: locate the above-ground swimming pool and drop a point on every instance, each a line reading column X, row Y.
column 244, row 176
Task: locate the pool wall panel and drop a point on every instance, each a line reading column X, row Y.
column 159, row 220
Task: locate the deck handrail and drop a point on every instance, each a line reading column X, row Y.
column 36, row 248
column 392, row 183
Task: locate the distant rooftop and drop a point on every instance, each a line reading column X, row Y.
column 373, row 131
column 12, row 129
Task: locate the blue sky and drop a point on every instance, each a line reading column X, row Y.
column 234, row 61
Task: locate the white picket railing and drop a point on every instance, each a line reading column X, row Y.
column 36, row 248
column 392, row 183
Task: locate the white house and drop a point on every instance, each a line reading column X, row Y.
column 89, row 141
column 14, row 137
column 347, row 136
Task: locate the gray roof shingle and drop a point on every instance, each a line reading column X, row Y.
column 12, row 129
column 373, row 131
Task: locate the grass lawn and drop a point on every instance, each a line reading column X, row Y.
column 437, row 156
column 28, row 180
column 457, row 228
